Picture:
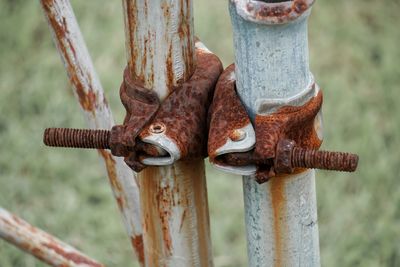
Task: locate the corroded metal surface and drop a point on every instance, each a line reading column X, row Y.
column 183, row 115
column 40, row 244
column 88, row 90
column 160, row 45
column 289, row 122
column 77, row 138
column 272, row 12
column 231, row 130
column 141, row 105
column 176, row 223
column 160, row 42
column 227, row 114
column 287, row 137
column 178, row 128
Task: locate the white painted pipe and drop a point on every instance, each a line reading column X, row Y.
column 90, row 95
column 160, row 49
column 40, row 244
column 271, row 57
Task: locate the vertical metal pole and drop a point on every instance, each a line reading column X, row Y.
column 271, row 56
column 89, row 92
column 160, row 48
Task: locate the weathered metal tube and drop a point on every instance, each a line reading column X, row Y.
column 89, row 92
column 40, row 244
column 161, row 54
column 272, row 69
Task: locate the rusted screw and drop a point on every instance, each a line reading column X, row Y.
column 338, row 161
column 289, row 156
column 77, row 138
column 87, row 138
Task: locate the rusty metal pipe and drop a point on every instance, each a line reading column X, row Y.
column 272, row 69
column 161, row 54
column 90, row 95
column 40, row 244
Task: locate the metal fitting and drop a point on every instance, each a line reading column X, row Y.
column 272, row 12
column 153, row 133
column 285, row 137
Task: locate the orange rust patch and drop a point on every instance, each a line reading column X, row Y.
column 87, row 98
column 195, row 171
column 137, row 244
column 156, row 205
column 131, row 31
column 112, row 176
column 169, row 69
column 277, row 190
column 72, row 256
column 225, row 118
column 187, row 38
column 159, row 195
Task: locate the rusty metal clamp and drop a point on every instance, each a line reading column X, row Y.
column 285, row 139
column 155, row 133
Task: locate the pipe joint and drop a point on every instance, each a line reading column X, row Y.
column 272, row 13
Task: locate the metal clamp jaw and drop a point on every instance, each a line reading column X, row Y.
column 285, row 138
column 155, row 133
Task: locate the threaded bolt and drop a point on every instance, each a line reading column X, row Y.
column 77, row 138
column 326, row 160
column 289, row 156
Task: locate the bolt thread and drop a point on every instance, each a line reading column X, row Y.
column 77, row 138
column 326, row 160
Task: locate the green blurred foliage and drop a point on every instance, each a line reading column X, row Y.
column 355, row 55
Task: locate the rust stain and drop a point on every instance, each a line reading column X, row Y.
column 195, row 173
column 112, row 176
column 169, row 69
column 111, row 170
column 278, row 12
column 159, row 197
column 29, row 239
column 137, row 244
column 132, row 33
column 72, row 256
column 88, row 97
column 186, row 37
column 156, row 204
column 278, row 202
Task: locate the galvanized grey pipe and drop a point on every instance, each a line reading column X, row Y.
column 272, row 69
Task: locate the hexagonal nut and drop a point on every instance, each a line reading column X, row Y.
column 283, row 158
column 117, row 148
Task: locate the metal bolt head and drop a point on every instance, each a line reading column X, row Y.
column 157, row 128
column 237, row 135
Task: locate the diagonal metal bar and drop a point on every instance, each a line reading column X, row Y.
column 160, row 48
column 89, row 92
column 40, row 244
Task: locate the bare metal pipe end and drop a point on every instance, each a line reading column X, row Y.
column 272, row 12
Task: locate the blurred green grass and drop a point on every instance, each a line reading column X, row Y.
column 354, row 51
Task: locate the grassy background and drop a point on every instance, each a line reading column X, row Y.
column 355, row 56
